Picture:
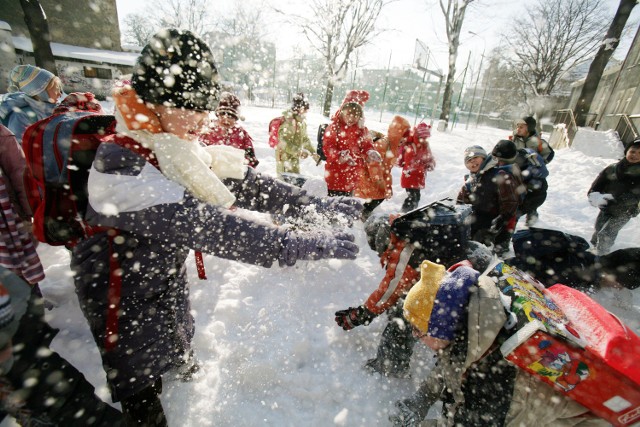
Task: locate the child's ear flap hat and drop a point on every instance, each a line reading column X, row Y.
column 29, row 79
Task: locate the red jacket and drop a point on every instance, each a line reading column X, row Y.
column 415, row 159
column 353, row 141
column 234, row 136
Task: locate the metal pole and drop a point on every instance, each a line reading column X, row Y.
column 426, row 68
column 473, row 97
column 386, row 82
column 420, row 97
column 464, row 77
column 435, row 103
column 483, row 95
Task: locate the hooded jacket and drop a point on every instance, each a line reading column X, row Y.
column 18, row 111
column 622, row 181
column 376, row 181
column 415, row 159
column 346, row 141
column 292, row 139
column 494, row 190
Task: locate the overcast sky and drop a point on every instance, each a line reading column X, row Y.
column 404, row 22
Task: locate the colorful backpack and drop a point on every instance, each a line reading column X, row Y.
column 274, row 127
column 59, row 151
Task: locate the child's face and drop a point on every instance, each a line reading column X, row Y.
column 185, row 124
column 226, row 119
column 633, row 155
column 350, row 116
column 54, row 90
column 522, row 130
column 473, row 164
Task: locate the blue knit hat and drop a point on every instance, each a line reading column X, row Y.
column 29, row 79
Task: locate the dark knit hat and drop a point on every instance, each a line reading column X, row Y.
column 531, row 124
column 299, row 102
column 229, row 104
column 505, row 151
column 635, row 143
column 176, row 69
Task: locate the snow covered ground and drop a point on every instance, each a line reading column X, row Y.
column 271, row 351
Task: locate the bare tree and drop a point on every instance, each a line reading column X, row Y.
column 453, row 12
column 38, row 26
column 336, row 29
column 138, row 29
column 242, row 34
column 556, row 36
column 192, row 15
column 607, row 47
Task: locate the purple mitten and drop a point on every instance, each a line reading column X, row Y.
column 316, row 245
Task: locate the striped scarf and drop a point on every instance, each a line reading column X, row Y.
column 17, row 252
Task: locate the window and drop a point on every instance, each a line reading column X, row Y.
column 98, row 73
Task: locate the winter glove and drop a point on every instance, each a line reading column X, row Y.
column 497, row 225
column 316, row 245
column 354, row 316
column 374, row 157
column 350, row 207
column 345, row 157
column 599, row 200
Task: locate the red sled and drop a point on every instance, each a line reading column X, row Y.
column 572, row 343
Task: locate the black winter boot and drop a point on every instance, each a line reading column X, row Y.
column 393, row 358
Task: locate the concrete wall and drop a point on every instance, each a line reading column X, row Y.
column 85, row 23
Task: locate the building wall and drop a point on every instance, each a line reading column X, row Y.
column 84, row 23
column 618, row 91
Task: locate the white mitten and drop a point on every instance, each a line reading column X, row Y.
column 599, row 200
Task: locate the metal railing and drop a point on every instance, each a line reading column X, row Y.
column 627, row 131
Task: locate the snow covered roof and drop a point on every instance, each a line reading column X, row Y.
column 81, row 53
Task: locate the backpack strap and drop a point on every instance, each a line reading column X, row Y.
column 135, row 146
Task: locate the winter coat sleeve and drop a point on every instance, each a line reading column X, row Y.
column 330, row 143
column 600, row 183
column 262, row 193
column 398, row 279
column 13, row 164
column 164, row 211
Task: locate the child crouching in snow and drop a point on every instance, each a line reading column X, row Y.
column 459, row 315
column 155, row 194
